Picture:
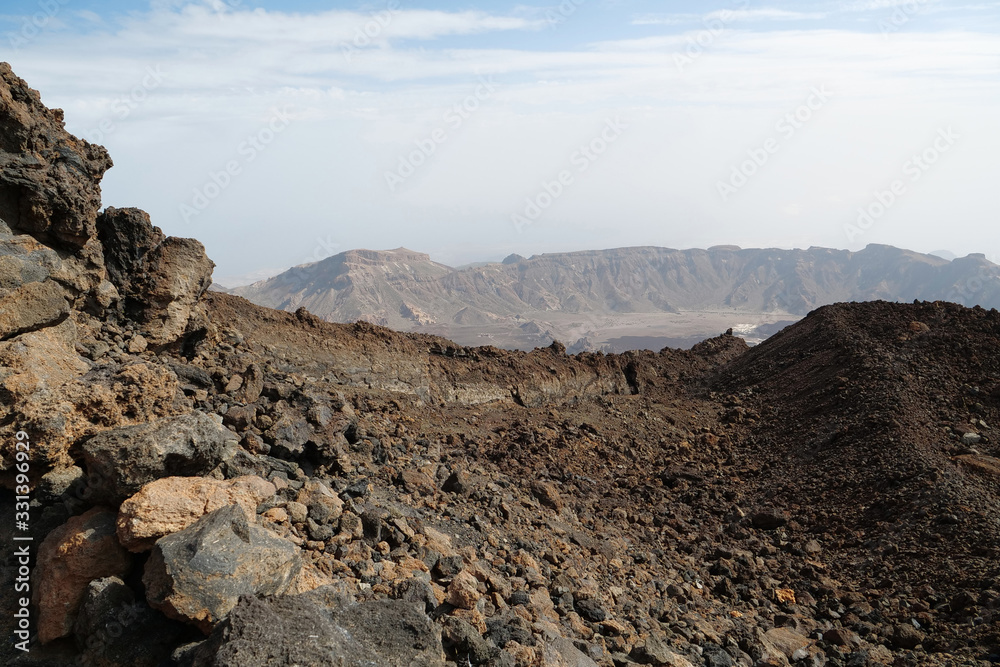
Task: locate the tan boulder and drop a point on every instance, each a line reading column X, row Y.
column 463, row 591
column 171, row 504
column 548, row 495
column 31, row 307
column 81, row 550
column 785, row 645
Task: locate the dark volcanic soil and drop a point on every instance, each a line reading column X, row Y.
column 831, row 457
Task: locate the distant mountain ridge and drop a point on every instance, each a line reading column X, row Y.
column 405, row 290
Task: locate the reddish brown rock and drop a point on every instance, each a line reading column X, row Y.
column 81, row 550
column 463, row 591
column 548, row 495
column 415, row 481
column 841, row 637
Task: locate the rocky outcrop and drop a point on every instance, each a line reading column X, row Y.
column 50, row 190
column 198, row 575
column 66, row 372
column 73, row 555
column 49, row 179
column 160, row 279
column 121, row 461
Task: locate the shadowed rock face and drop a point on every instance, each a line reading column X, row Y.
column 136, row 635
column 322, row 628
column 49, row 179
column 160, row 279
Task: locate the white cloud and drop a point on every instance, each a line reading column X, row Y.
column 727, row 16
column 873, row 5
column 225, row 72
column 330, row 28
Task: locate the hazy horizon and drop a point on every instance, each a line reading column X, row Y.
column 231, row 282
column 282, row 133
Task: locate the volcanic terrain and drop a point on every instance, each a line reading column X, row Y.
column 214, row 482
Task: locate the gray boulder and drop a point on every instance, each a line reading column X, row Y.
column 198, row 575
column 323, row 627
column 121, row 461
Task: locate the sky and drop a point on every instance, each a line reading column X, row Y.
column 281, row 133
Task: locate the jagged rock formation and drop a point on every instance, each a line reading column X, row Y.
column 49, row 189
column 217, row 483
column 159, row 279
column 59, row 285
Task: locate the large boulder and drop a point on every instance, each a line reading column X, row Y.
column 71, row 556
column 123, row 460
column 160, row 279
column 198, row 575
column 170, row 505
column 59, row 399
column 323, row 627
